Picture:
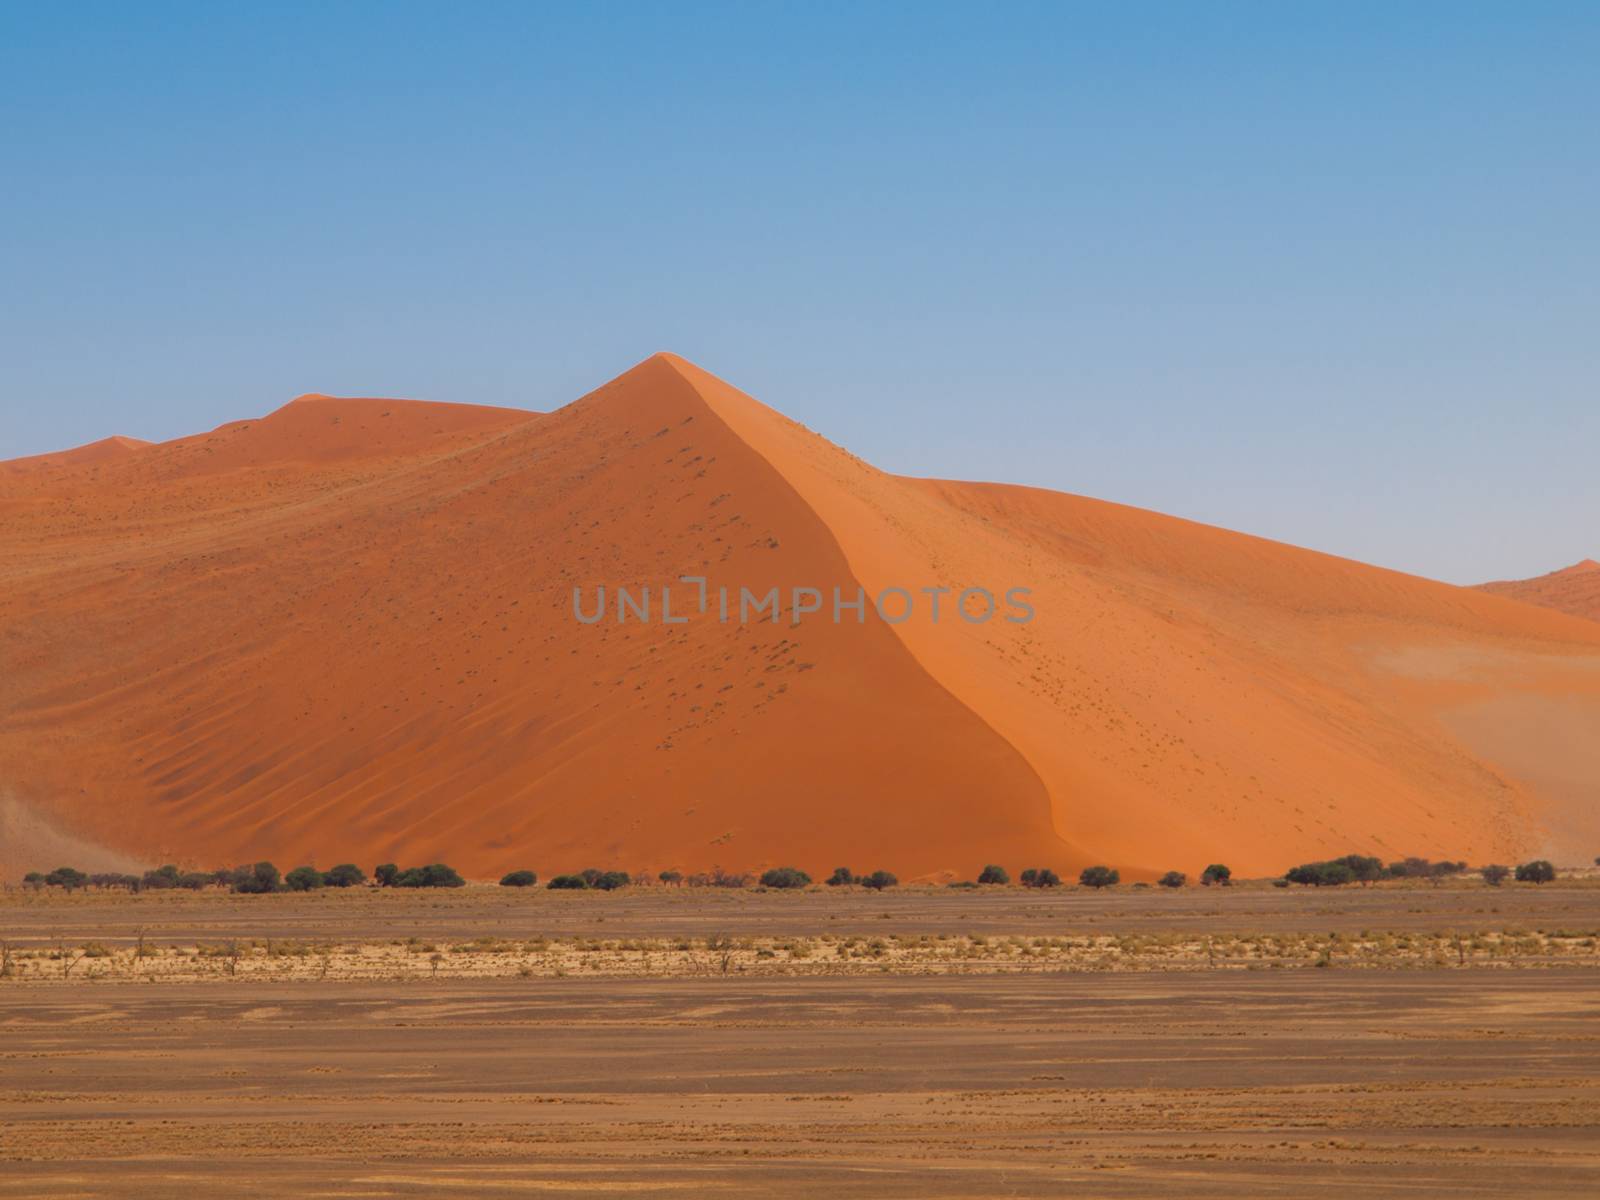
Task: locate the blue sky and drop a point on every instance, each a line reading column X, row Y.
column 1326, row 273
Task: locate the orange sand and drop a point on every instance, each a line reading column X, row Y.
column 345, row 631
column 1574, row 589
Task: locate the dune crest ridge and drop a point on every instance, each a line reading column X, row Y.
column 346, row 630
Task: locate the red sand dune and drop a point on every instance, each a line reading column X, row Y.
column 1574, row 589
column 345, row 630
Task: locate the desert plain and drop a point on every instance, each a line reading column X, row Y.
column 1398, row 1040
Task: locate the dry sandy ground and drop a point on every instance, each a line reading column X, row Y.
column 1428, row 1083
column 344, row 631
column 962, row 1045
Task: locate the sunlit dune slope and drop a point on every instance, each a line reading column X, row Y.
column 346, row 630
column 1574, row 589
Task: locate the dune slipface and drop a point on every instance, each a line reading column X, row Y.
column 346, row 631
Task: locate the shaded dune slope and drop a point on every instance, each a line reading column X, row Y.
column 346, row 630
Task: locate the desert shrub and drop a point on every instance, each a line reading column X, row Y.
column 303, row 879
column 66, row 877
column 1099, row 877
column 568, row 883
column 785, row 877
column 841, row 877
column 115, row 879
column 256, row 879
column 1321, row 874
column 1412, row 867
column 1363, row 869
column 879, row 880
column 431, row 876
column 610, row 881
column 519, row 879
column 1495, row 874
column 385, row 874
column 344, row 875
column 192, row 881
column 161, row 877
column 670, row 876
column 1039, row 877
column 1216, row 873
column 994, row 874
column 1028, row 876
column 1537, row 871
column 1173, row 879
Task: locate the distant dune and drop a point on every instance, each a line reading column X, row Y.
column 1574, row 589
column 345, row 630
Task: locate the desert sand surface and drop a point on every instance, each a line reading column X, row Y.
column 345, row 631
column 1111, row 1075
column 1574, row 589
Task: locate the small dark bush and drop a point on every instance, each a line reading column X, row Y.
column 345, row 875
column 303, row 879
column 34, row 879
column 1099, row 877
column 67, row 877
column 841, row 877
column 1495, row 874
column 385, row 874
column 568, row 883
column 1039, row 877
column 1421, row 868
column 610, row 881
column 192, row 881
column 519, row 879
column 879, row 880
column 785, row 877
column 258, row 879
column 1537, row 871
column 1173, row 879
column 994, row 874
column 670, row 876
column 1216, row 873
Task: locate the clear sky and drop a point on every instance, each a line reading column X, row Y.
column 1324, row 272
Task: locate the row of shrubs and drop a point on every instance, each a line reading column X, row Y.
column 263, row 877
column 252, row 879
column 1361, row 868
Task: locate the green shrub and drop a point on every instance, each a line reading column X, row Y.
column 303, row 879
column 258, row 879
column 1099, row 877
column 1495, row 874
column 1173, row 879
column 670, row 876
column 841, row 877
column 385, row 874
column 1321, row 874
column 431, row 876
column 66, row 877
column 571, row 883
column 610, row 881
column 879, row 880
column 1039, row 877
column 785, row 877
column 161, row 878
column 519, row 879
column 345, row 875
column 191, row 881
column 1216, row 873
column 1537, row 871
column 994, row 874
